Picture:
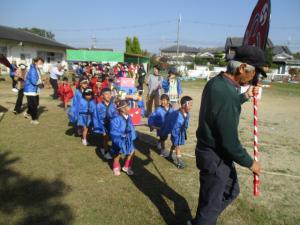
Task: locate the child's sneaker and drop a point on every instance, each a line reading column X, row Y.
column 84, row 142
column 180, row 163
column 107, row 156
column 117, row 171
column 35, row 122
column 158, row 146
column 26, row 115
column 164, row 153
column 102, row 151
column 127, row 170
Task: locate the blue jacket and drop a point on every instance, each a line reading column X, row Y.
column 73, row 110
column 166, row 86
column 176, row 125
column 122, row 135
column 158, row 117
column 102, row 117
column 85, row 112
column 31, row 81
column 141, row 105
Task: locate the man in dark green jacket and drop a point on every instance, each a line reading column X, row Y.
column 218, row 145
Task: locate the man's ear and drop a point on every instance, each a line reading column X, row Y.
column 242, row 68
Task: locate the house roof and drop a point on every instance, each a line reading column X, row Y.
column 10, row 33
column 182, row 48
column 234, row 42
column 278, row 49
column 212, row 50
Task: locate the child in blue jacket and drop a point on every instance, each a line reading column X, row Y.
column 122, row 134
column 157, row 119
column 73, row 110
column 177, row 124
column 105, row 111
column 86, row 109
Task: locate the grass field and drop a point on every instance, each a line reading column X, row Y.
column 48, row 177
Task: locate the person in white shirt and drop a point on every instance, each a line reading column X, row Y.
column 55, row 72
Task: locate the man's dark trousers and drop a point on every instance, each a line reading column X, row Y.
column 54, row 85
column 218, row 187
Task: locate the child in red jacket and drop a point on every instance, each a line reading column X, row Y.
column 65, row 92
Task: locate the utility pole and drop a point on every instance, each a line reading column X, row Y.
column 94, row 41
column 178, row 26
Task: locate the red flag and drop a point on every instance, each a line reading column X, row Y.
column 258, row 27
column 4, row 61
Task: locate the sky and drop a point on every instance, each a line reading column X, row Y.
column 79, row 23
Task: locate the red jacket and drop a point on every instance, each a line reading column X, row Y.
column 97, row 94
column 93, row 82
column 65, row 92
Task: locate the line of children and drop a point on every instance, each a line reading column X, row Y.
column 109, row 119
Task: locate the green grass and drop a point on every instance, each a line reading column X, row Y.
column 48, row 177
column 286, row 89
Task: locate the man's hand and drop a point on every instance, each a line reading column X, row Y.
column 256, row 167
column 252, row 90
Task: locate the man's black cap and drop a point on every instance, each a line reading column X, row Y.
column 253, row 56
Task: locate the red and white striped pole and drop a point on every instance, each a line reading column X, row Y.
column 255, row 145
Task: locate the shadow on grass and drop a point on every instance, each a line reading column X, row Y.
column 30, row 200
column 3, row 109
column 42, row 109
column 151, row 142
column 157, row 189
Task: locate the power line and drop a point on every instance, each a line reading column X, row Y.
column 115, row 28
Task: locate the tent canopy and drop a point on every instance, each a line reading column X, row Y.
column 137, row 59
column 94, row 56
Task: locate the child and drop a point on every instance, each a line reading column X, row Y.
column 65, row 92
column 140, row 102
column 105, row 112
column 123, row 134
column 172, row 86
column 73, row 110
column 157, row 120
column 97, row 90
column 177, row 124
column 85, row 112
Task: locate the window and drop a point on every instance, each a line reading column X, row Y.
column 24, row 56
column 3, row 50
column 50, row 57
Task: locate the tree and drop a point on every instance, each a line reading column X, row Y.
column 146, row 53
column 136, row 48
column 128, row 45
column 40, row 32
column 296, row 55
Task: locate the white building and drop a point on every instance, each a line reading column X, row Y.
column 23, row 46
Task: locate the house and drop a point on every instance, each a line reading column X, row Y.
column 183, row 51
column 233, row 42
column 23, row 46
